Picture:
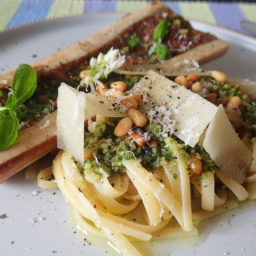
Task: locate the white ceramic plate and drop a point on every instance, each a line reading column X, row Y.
column 231, row 234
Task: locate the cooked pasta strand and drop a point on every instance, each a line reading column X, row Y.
column 184, row 184
column 239, row 191
column 151, row 204
column 45, row 179
column 207, row 190
column 136, row 171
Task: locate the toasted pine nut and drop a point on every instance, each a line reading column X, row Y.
column 181, row 80
column 123, row 127
column 139, row 139
column 115, row 93
column 192, row 77
column 137, row 98
column 138, row 118
column 196, row 165
column 54, row 104
column 196, row 87
column 130, row 102
column 153, row 143
column 84, row 73
column 212, row 97
column 234, row 102
column 219, row 76
column 119, row 85
column 88, row 154
column 101, row 89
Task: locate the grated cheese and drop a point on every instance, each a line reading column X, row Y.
column 178, row 110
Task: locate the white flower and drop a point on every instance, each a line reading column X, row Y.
column 90, row 81
column 101, row 67
column 105, row 64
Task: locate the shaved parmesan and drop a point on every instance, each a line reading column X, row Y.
column 70, row 121
column 225, row 147
column 164, row 68
column 73, row 109
column 101, row 105
column 188, row 113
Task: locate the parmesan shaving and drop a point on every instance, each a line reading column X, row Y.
column 225, row 147
column 178, row 110
column 73, row 109
column 70, row 121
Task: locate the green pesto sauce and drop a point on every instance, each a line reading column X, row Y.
column 110, row 151
column 208, row 164
column 228, row 90
column 41, row 103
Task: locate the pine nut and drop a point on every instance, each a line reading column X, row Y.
column 101, row 89
column 137, row 98
column 115, row 93
column 234, row 102
column 196, row 165
column 139, row 139
column 84, row 73
column 123, row 127
column 219, row 76
column 181, row 80
column 88, row 154
column 192, row 77
column 212, row 97
column 196, row 87
column 153, row 143
column 138, row 118
column 119, row 85
column 129, row 102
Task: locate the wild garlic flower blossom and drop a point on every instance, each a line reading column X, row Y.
column 102, row 66
column 90, row 81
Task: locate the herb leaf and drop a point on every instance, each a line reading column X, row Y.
column 9, row 127
column 133, row 41
column 161, row 31
column 24, row 85
column 162, row 51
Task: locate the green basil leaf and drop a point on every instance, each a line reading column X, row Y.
column 133, row 41
column 9, row 127
column 11, row 100
column 161, row 31
column 162, row 52
column 1, row 93
column 24, row 85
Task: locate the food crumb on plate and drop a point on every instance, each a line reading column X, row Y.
column 41, row 218
column 243, row 249
column 35, row 193
column 3, row 216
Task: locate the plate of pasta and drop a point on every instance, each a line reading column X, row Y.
column 144, row 169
